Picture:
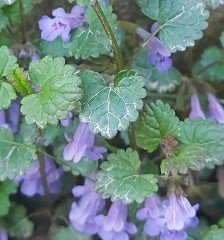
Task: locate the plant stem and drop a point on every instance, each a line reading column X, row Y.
column 22, row 17
column 106, row 25
column 44, row 178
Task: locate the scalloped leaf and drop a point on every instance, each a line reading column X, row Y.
column 206, row 134
column 181, row 21
column 60, row 92
column 15, row 158
column 155, row 123
column 109, row 108
column 92, row 40
column 119, row 178
column 188, row 157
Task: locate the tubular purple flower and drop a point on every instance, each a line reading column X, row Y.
column 215, row 109
column 174, row 235
column 115, row 225
column 82, row 145
column 62, row 23
column 169, row 217
column 31, row 183
column 159, row 55
column 196, row 110
column 82, row 213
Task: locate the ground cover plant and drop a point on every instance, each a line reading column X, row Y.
column 111, row 119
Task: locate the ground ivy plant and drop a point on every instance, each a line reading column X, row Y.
column 105, row 131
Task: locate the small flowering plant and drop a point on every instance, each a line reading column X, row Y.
column 111, row 123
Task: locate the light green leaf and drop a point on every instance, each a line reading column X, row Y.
column 7, row 94
column 206, row 134
column 156, row 80
column 120, row 180
column 7, row 62
column 18, row 225
column 92, row 41
column 3, row 21
column 59, row 94
column 69, row 233
column 7, row 188
column 214, row 3
column 181, row 21
column 109, row 108
column 211, row 65
column 213, row 233
column 15, row 158
column 156, row 122
column 188, row 156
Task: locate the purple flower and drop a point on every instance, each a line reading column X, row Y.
column 159, row 55
column 31, row 183
column 3, row 234
column 82, row 145
column 66, row 122
column 196, row 110
column 10, row 118
column 62, row 23
column 215, row 108
column 114, row 226
column 29, row 54
column 170, row 217
column 82, row 214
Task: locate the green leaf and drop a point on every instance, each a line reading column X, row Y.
column 156, row 122
column 119, row 178
column 211, row 65
column 69, row 233
column 27, row 132
column 7, row 94
column 92, row 41
column 206, row 134
column 7, row 188
column 213, row 233
column 17, row 223
column 15, row 158
column 3, row 21
column 56, row 48
column 214, row 3
column 188, row 156
column 181, row 21
column 59, row 94
column 7, row 62
column 109, row 108
column 156, row 80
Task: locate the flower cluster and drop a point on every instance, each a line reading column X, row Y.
column 31, row 183
column 82, row 145
column 159, row 55
column 168, row 218
column 85, row 217
column 216, row 110
column 62, row 23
